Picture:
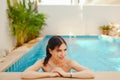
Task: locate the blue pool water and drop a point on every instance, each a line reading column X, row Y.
column 95, row 52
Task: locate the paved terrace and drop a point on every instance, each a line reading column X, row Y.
column 19, row 52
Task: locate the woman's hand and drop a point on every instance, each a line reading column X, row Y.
column 60, row 71
column 55, row 74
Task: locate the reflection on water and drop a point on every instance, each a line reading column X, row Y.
column 101, row 54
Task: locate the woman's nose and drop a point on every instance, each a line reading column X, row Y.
column 63, row 53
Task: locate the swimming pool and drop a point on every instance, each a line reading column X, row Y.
column 98, row 53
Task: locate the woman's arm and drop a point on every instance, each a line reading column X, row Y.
column 32, row 71
column 33, row 74
column 82, row 72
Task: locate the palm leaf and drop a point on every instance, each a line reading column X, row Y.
column 25, row 22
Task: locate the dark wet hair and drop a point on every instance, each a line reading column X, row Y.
column 53, row 42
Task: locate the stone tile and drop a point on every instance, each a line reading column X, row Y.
column 98, row 76
column 16, row 54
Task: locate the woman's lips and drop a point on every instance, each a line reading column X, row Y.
column 61, row 58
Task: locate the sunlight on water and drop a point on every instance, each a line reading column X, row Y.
column 91, row 51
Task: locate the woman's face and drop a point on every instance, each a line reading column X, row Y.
column 59, row 53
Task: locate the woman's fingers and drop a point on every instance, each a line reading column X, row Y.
column 59, row 71
column 57, row 75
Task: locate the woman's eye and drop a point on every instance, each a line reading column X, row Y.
column 58, row 50
column 61, row 50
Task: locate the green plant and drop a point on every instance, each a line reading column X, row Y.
column 104, row 27
column 25, row 21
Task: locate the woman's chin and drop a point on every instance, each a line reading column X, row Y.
column 61, row 58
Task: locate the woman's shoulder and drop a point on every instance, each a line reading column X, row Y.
column 70, row 61
column 40, row 61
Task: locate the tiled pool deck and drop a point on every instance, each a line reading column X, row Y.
column 98, row 76
column 19, row 52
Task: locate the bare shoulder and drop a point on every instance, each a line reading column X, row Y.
column 73, row 62
column 36, row 66
column 75, row 65
column 69, row 61
column 40, row 62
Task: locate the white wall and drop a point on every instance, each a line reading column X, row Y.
column 65, row 19
column 6, row 43
column 103, row 1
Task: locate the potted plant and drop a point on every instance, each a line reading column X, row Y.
column 105, row 29
column 24, row 19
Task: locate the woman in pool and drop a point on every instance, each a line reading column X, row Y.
column 55, row 64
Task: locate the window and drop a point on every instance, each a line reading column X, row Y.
column 62, row 2
column 56, row 2
column 76, row 2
